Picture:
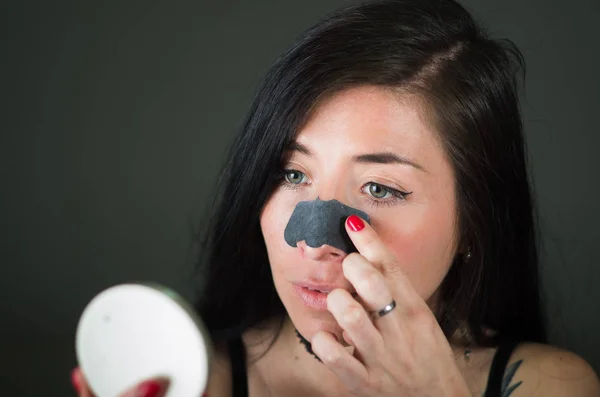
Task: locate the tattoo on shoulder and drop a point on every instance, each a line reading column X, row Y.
column 506, row 388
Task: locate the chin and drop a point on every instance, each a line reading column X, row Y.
column 308, row 321
column 308, row 325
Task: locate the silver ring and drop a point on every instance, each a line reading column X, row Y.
column 388, row 308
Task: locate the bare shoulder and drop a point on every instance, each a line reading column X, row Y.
column 544, row 370
column 219, row 383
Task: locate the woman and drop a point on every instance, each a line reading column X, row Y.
column 402, row 118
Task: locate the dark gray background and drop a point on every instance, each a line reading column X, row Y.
column 115, row 118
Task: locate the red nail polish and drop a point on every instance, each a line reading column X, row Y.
column 355, row 223
column 150, row 388
column 75, row 380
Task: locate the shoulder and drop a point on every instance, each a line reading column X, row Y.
column 544, row 370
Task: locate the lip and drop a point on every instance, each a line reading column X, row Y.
column 315, row 295
column 311, row 298
column 325, row 288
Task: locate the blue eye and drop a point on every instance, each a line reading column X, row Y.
column 294, row 177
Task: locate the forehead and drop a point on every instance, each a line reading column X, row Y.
column 371, row 118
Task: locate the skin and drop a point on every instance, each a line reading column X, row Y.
column 403, row 255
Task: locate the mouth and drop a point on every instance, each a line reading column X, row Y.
column 323, row 291
column 313, row 296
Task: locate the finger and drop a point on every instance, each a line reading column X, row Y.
column 371, row 247
column 369, row 283
column 356, row 323
column 347, row 338
column 368, row 243
column 156, row 387
column 79, row 383
column 347, row 368
column 376, row 292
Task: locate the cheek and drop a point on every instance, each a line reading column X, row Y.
column 424, row 249
column 269, row 224
column 273, row 221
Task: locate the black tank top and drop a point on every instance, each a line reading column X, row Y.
column 237, row 355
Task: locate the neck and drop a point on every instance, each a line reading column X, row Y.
column 317, row 378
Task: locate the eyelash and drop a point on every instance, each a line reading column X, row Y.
column 397, row 195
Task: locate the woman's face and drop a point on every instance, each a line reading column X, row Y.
column 364, row 147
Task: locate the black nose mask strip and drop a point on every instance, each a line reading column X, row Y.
column 320, row 222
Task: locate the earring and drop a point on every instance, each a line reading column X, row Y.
column 468, row 255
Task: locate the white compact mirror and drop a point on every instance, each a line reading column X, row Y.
column 133, row 332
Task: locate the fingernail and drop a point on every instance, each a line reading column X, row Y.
column 75, row 380
column 355, row 223
column 149, row 388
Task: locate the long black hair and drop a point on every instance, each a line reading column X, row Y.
column 468, row 83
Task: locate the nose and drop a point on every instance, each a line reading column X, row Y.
column 322, row 253
column 332, row 189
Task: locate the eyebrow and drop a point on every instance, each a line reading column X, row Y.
column 368, row 158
